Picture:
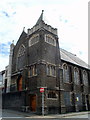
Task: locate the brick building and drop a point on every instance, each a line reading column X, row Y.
column 37, row 61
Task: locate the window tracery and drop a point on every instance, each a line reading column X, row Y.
column 66, row 73
column 50, row 39
column 32, row 71
column 34, row 39
column 21, row 50
column 51, row 70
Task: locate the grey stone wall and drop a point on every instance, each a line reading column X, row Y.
column 13, row 100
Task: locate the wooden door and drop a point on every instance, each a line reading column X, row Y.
column 20, row 84
column 33, row 102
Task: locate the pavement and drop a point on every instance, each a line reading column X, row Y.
column 8, row 113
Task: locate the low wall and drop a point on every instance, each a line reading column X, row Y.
column 13, row 100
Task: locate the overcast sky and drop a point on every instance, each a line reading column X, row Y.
column 70, row 17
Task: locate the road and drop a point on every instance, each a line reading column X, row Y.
column 21, row 115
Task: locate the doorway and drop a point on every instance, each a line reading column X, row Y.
column 32, row 103
column 19, row 83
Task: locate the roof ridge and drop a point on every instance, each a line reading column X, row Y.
column 73, row 59
column 69, row 52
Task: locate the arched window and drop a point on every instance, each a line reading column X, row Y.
column 52, row 94
column 85, row 78
column 50, row 39
column 76, row 76
column 20, row 57
column 66, row 73
column 51, row 70
column 21, row 50
column 32, row 71
column 34, row 39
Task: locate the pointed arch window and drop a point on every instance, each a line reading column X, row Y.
column 32, row 71
column 20, row 57
column 51, row 70
column 34, row 39
column 85, row 78
column 66, row 77
column 76, row 76
column 21, row 50
column 50, row 39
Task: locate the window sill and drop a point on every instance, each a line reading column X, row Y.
column 67, row 83
column 51, row 76
column 52, row 98
column 32, row 76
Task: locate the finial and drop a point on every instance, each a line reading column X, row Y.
column 42, row 11
column 23, row 28
column 13, row 41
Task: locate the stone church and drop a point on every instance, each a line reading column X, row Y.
column 37, row 61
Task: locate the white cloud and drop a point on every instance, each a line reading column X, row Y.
column 69, row 16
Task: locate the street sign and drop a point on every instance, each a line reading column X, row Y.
column 41, row 89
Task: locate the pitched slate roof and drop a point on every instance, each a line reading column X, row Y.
column 72, row 58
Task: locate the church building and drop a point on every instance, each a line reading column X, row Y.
column 38, row 68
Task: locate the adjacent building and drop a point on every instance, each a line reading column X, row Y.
column 37, row 61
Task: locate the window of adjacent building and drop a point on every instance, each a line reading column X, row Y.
column 34, row 39
column 21, row 50
column 32, row 71
column 66, row 77
column 51, row 70
column 50, row 39
column 85, row 78
column 52, row 94
column 76, row 76
column 67, row 98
